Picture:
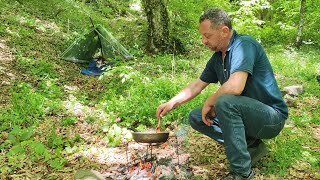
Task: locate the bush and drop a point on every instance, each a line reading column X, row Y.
column 27, row 107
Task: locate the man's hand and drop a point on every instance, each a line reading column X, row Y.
column 163, row 109
column 207, row 114
column 188, row 93
column 234, row 85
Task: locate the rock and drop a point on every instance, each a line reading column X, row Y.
column 88, row 175
column 79, row 113
column 293, row 90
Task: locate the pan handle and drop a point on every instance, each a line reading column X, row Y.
column 132, row 129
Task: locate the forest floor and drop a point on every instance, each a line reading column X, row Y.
column 187, row 156
column 7, row 75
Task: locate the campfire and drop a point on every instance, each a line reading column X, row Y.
column 147, row 161
column 149, row 170
column 158, row 160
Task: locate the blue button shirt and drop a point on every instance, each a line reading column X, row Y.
column 244, row 53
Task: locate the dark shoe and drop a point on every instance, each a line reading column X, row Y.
column 231, row 176
column 257, row 151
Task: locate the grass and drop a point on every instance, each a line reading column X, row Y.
column 50, row 104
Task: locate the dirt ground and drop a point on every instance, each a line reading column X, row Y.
column 7, row 75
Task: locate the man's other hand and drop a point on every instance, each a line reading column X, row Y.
column 207, row 114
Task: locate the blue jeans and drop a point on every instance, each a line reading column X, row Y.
column 239, row 122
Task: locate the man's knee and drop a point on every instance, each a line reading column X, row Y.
column 224, row 101
column 194, row 115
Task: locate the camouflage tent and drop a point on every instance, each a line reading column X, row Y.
column 97, row 38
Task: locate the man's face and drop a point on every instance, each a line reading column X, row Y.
column 212, row 37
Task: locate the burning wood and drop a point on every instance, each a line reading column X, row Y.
column 149, row 170
column 149, row 166
column 153, row 161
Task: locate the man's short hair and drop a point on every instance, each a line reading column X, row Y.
column 217, row 17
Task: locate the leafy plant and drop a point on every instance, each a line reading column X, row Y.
column 57, row 163
column 68, row 121
column 18, row 134
column 55, row 140
column 27, row 107
column 16, row 158
column 114, row 137
column 90, row 119
column 39, row 68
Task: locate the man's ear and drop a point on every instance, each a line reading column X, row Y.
column 225, row 29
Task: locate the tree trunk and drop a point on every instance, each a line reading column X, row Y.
column 300, row 28
column 158, row 25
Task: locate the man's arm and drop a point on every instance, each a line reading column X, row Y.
column 234, row 85
column 188, row 93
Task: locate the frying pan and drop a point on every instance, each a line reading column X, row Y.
column 150, row 137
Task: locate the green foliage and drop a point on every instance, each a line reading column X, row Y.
column 289, row 149
column 29, row 105
column 184, row 26
column 26, row 102
column 132, row 108
column 114, row 135
column 18, row 135
column 23, row 149
column 287, row 13
column 90, row 119
column 68, row 121
column 304, row 73
column 50, row 89
column 55, row 141
column 26, row 107
column 16, row 158
column 36, row 150
column 293, row 148
column 285, row 17
column 254, row 18
column 57, row 163
column 135, row 110
column 38, row 68
column 111, row 9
